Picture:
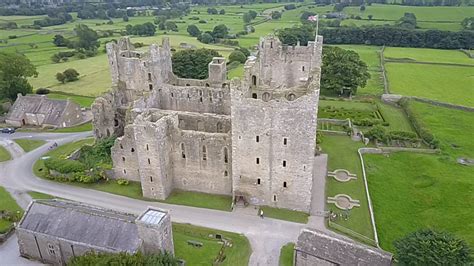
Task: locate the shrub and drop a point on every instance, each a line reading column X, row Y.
column 71, row 74
column 402, row 135
column 420, row 128
column 159, row 259
column 42, row 91
column 64, row 166
column 122, row 182
column 202, row 21
column 377, row 133
column 97, row 154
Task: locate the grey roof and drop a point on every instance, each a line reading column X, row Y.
column 83, row 224
column 38, row 104
column 339, row 250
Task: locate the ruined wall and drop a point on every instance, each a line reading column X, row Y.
column 190, row 99
column 202, row 162
column 124, row 156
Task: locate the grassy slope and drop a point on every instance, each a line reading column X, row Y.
column 4, row 154
column 450, row 84
column 39, row 195
column 435, row 190
column 286, row 254
column 29, row 144
column 342, row 152
column 396, row 117
column 238, row 254
column 7, row 203
column 285, row 214
column 83, row 101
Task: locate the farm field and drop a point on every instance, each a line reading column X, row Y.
column 451, row 84
column 436, row 191
column 427, row 55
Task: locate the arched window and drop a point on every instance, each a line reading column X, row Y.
column 204, row 153
column 132, row 150
column 226, row 173
column 226, row 155
column 183, row 151
column 302, row 68
column 149, row 161
column 284, row 184
column 254, row 80
column 123, row 159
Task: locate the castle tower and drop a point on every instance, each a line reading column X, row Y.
column 155, row 230
column 217, row 71
column 274, row 117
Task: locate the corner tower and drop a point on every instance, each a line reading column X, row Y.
column 274, row 116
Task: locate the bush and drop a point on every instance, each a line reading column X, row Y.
column 429, row 247
column 97, row 154
column 417, row 123
column 402, row 135
column 377, row 133
column 64, row 166
column 42, row 91
column 237, row 56
column 122, row 182
column 160, row 259
column 202, row 21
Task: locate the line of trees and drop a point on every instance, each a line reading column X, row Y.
column 403, row 2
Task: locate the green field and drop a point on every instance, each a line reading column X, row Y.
column 285, row 214
column 7, row 203
column 435, row 190
column 452, row 84
column 427, row 55
column 29, row 144
column 342, row 154
column 4, row 154
column 238, row 254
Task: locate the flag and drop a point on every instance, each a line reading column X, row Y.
column 313, row 18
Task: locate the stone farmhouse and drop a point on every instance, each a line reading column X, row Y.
column 315, row 247
column 38, row 110
column 253, row 139
column 54, row 231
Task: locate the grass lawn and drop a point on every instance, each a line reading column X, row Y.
column 285, row 214
column 39, row 195
column 395, row 117
column 435, row 190
column 201, row 200
column 79, row 128
column 29, row 144
column 428, row 55
column 4, row 154
column 286, row 254
column 452, row 84
column 342, row 153
column 238, row 254
column 9, row 204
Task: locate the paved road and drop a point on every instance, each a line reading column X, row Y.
column 265, row 235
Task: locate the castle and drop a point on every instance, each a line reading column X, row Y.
column 253, row 139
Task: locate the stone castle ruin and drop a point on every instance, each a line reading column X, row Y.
column 253, row 139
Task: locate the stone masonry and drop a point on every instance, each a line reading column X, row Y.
column 253, row 139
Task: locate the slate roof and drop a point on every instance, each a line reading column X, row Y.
column 38, row 104
column 83, row 224
column 339, row 250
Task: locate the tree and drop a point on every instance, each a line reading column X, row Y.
column 362, row 8
column 125, row 18
column 468, row 23
column 291, row 36
column 276, row 15
column 370, row 17
column 212, row 11
column 408, row 21
column 60, row 41
column 170, row 25
column 305, row 15
column 71, row 74
column 220, row 31
column 193, row 63
column 237, row 56
column 247, row 18
column 222, row 12
column 342, row 70
column 60, row 77
column 14, row 71
column 87, row 38
column 193, row 30
column 430, row 247
column 206, row 37
column 377, row 132
column 252, row 14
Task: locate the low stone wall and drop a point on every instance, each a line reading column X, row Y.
column 395, row 98
column 401, row 149
column 5, row 236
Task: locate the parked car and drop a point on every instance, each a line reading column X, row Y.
column 8, row 130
